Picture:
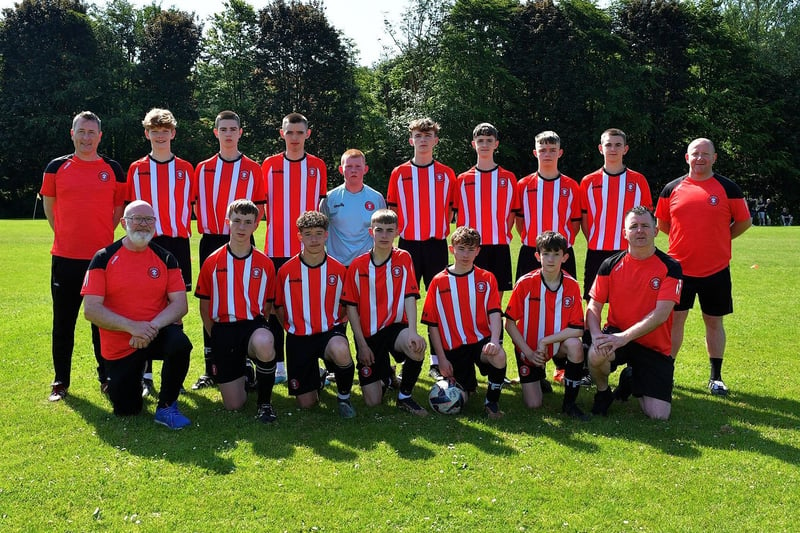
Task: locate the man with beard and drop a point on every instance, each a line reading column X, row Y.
column 134, row 292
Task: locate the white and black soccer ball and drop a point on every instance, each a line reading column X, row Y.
column 447, row 398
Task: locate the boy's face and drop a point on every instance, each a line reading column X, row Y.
column 464, row 255
column 423, row 141
column 551, row 260
column 313, row 239
column 295, row 136
column 613, row 147
column 547, row 153
column 228, row 132
column 485, row 145
column 160, row 136
column 242, row 226
column 353, row 170
column 383, row 235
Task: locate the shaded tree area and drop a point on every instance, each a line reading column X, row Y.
column 662, row 70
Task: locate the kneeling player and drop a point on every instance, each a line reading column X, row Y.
column 463, row 313
column 236, row 289
column 381, row 293
column 545, row 320
column 307, row 301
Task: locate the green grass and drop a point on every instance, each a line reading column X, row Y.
column 717, row 464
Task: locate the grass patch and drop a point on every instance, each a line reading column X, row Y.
column 722, row 464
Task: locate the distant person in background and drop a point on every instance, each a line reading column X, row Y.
column 761, row 212
column 83, row 195
column 786, row 217
column 702, row 212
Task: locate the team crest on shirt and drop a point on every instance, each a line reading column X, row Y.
column 369, row 206
column 366, row 371
column 332, row 279
column 439, row 177
column 524, row 371
column 244, row 175
column 503, row 182
column 713, row 200
column 480, row 286
column 312, row 172
column 180, row 174
column 257, row 273
column 655, row 284
column 568, row 301
column 630, row 187
column 397, row 271
column 154, row 272
column 104, row 176
column 564, row 191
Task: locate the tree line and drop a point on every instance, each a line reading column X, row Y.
column 664, row 71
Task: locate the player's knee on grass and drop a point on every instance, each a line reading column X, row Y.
column 532, row 394
column 262, row 345
column 338, row 351
column 573, row 349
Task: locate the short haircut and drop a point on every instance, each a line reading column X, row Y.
column 86, row 115
column 424, row 125
column 701, row 139
column 547, row 137
column 641, row 210
column 227, row 115
column 465, row 236
column 353, row 152
column 551, row 241
column 383, row 216
column 486, row 129
column 614, row 132
column 242, row 206
column 159, row 118
column 294, row 118
column 312, row 219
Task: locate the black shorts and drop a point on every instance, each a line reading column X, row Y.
column 302, row 353
column 714, row 293
column 179, row 247
column 652, row 371
column 381, row 344
column 429, row 257
column 527, row 262
column 496, row 258
column 229, row 343
column 594, row 258
column 464, row 360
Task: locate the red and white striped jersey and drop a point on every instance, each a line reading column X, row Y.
column 484, row 200
column 379, row 291
column 605, row 198
column 310, row 295
column 292, row 188
column 548, row 205
column 169, row 188
column 540, row 312
column 238, row 288
column 422, row 197
column 459, row 305
column 220, row 182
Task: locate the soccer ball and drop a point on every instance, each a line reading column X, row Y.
column 447, row 399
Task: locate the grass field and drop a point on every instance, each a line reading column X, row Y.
column 717, row 465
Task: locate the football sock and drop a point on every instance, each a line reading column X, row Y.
column 344, row 379
column 572, row 379
column 496, row 377
column 207, row 355
column 716, row 368
column 265, row 379
column 411, row 370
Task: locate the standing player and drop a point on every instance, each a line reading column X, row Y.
column 236, row 288
column 381, row 296
column 420, row 192
column 485, row 199
column 83, row 194
column 307, row 302
column 227, row 176
column 349, row 208
column 464, row 318
column 549, row 201
column 702, row 212
column 641, row 286
column 606, row 195
column 295, row 182
column 166, row 183
column 545, row 320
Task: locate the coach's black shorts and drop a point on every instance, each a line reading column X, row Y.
column 652, row 371
column 464, row 360
column 496, row 258
column 229, row 344
column 381, row 344
column 527, row 262
column 594, row 258
column 429, row 257
column 714, row 293
column 179, row 247
column 302, row 353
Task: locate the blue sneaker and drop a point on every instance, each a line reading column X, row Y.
column 171, row 417
column 346, row 409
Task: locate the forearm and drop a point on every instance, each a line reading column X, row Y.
column 593, row 315
column 101, row 316
column 737, row 228
column 561, row 336
column 411, row 312
column 355, row 325
column 48, row 203
column 517, row 338
column 171, row 314
column 650, row 322
column 496, row 326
